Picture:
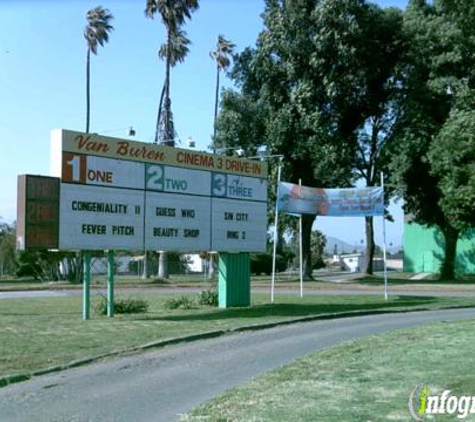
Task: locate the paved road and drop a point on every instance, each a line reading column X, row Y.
column 34, row 293
column 161, row 385
column 308, row 291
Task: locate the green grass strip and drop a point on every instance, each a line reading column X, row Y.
column 40, row 333
column 361, row 380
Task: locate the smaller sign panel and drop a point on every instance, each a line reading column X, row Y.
column 98, row 218
column 237, row 225
column 91, row 170
column 177, row 223
column 239, row 187
column 347, row 202
column 162, row 178
column 37, row 212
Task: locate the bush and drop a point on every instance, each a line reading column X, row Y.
column 319, row 263
column 262, row 263
column 182, row 302
column 123, row 306
column 208, row 298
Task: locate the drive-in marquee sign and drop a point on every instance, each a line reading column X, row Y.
column 125, row 195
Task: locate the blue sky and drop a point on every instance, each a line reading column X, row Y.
column 42, row 83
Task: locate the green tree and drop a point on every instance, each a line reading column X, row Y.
column 452, row 160
column 386, row 48
column 438, row 74
column 96, row 33
column 7, row 249
column 309, row 76
column 173, row 14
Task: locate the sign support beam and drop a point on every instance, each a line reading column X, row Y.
column 300, row 248
column 110, row 283
column 234, row 280
column 276, row 227
column 86, row 303
column 384, row 246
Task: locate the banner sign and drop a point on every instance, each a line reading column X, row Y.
column 126, row 195
column 347, row 202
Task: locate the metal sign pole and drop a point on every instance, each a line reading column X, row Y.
column 384, row 247
column 279, row 169
column 86, row 303
column 110, row 283
column 300, row 248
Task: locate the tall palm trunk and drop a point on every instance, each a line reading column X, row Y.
column 88, row 89
column 169, row 135
column 159, row 115
column 216, row 99
column 162, row 255
column 79, row 266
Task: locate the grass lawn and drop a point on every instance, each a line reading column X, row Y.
column 38, row 333
column 361, row 380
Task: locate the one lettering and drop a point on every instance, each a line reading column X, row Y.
column 99, row 176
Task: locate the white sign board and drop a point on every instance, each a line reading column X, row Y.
column 94, row 217
column 178, row 223
column 119, row 194
column 236, row 222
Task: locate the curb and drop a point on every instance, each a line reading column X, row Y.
column 12, row 379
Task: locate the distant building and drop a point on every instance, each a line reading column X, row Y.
column 356, row 262
column 195, row 263
column 350, row 262
column 424, row 250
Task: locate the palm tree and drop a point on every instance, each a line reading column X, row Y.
column 174, row 14
column 96, row 33
column 173, row 51
column 222, row 55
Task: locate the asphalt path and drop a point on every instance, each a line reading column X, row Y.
column 370, row 291
column 163, row 384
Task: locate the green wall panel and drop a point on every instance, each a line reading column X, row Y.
column 424, row 250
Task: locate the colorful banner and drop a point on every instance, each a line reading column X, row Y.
column 352, row 202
